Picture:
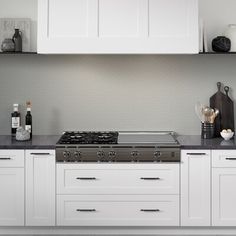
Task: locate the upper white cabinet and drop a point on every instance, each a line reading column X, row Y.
column 40, row 188
column 195, row 188
column 118, row 26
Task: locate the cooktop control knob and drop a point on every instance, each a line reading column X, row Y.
column 101, row 155
column 134, row 155
column 67, row 155
column 112, row 155
column 157, row 155
column 77, row 155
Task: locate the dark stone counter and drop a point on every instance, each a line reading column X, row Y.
column 49, row 142
column 195, row 142
column 37, row 142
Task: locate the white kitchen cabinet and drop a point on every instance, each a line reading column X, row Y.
column 118, row 178
column 118, row 26
column 223, row 197
column 11, row 196
column 195, row 188
column 223, row 187
column 40, row 188
column 11, row 187
column 118, row 210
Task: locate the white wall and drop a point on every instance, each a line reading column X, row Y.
column 113, row 92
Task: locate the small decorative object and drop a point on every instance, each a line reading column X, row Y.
column 207, row 130
column 231, row 34
column 221, row 44
column 22, row 135
column 8, row 45
column 17, row 39
column 7, row 26
column 227, row 134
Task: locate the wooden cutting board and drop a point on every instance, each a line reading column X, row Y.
column 221, row 101
column 227, row 116
column 217, row 101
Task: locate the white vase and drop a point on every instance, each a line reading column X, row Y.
column 231, row 34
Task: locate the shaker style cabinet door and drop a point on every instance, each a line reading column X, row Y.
column 118, row 26
column 195, row 188
column 11, row 196
column 40, row 188
column 223, row 196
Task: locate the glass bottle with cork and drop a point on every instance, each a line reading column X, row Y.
column 28, row 118
column 15, row 119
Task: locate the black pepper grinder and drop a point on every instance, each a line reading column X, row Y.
column 17, row 39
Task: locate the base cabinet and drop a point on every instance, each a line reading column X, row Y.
column 118, row 194
column 12, row 188
column 121, row 210
column 40, row 188
column 196, row 188
column 11, row 197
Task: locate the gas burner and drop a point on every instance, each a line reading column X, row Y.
column 89, row 138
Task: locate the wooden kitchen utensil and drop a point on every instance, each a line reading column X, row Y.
column 227, row 116
column 218, row 101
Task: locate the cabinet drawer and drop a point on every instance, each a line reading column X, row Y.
column 117, row 178
column 117, row 210
column 224, row 158
column 12, row 158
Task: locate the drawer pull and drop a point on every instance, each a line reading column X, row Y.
column 86, row 178
column 230, row 159
column 5, row 158
column 40, row 154
column 150, row 210
column 143, row 178
column 86, row 210
column 196, row 154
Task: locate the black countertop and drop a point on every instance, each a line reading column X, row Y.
column 195, row 142
column 49, row 142
column 37, row 142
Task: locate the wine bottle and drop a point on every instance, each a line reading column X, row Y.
column 15, row 119
column 28, row 119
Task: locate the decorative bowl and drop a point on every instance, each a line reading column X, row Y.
column 227, row 135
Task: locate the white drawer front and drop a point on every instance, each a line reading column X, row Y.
column 128, row 210
column 12, row 158
column 224, row 158
column 117, row 179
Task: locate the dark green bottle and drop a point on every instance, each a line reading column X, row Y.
column 28, row 119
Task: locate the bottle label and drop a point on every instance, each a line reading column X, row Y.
column 15, row 122
column 28, row 128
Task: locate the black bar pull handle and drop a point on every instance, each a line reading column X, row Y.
column 86, row 178
column 86, row 210
column 40, row 154
column 196, row 154
column 5, row 158
column 230, row 159
column 150, row 210
column 154, row 178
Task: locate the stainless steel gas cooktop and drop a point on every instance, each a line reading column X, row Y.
column 117, row 147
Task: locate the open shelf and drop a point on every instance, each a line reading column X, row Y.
column 17, row 53
column 217, row 53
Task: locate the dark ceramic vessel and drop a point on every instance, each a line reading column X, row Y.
column 221, row 44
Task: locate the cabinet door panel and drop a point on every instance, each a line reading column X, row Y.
column 223, row 197
column 195, row 188
column 40, row 188
column 68, row 18
column 118, row 26
column 118, row 210
column 118, row 179
column 11, row 196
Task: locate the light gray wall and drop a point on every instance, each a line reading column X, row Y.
column 113, row 92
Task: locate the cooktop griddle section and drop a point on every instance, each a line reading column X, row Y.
column 146, row 138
